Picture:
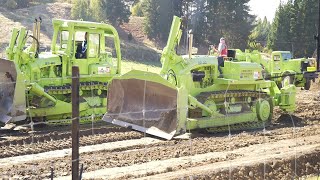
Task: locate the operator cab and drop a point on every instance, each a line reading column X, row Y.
column 95, row 47
column 281, row 55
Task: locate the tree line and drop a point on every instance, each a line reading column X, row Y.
column 208, row 19
column 114, row 11
column 293, row 27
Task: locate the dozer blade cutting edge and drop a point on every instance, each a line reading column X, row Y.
column 7, row 85
column 12, row 99
column 144, row 102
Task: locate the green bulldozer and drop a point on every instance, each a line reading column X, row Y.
column 282, row 68
column 37, row 85
column 188, row 94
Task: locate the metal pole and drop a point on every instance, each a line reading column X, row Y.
column 292, row 49
column 75, row 122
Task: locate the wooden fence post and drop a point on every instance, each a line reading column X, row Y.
column 75, row 122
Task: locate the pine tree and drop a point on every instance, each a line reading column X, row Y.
column 280, row 37
column 198, row 21
column 310, row 27
column 115, row 11
column 80, row 9
column 230, row 19
column 96, row 12
column 151, row 25
column 158, row 19
column 294, row 27
column 259, row 35
column 209, row 20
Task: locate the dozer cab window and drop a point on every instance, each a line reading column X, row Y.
column 94, row 44
column 64, row 39
column 286, row 56
column 276, row 58
column 111, row 55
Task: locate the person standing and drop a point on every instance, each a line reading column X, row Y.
column 222, row 52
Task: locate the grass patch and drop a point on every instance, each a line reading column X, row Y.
column 128, row 65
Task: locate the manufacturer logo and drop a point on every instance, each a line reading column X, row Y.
column 103, row 70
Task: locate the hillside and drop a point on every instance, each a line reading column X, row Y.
column 25, row 17
column 140, row 48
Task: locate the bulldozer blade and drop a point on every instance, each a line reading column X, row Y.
column 144, row 102
column 8, row 77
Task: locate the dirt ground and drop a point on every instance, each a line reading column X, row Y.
column 289, row 148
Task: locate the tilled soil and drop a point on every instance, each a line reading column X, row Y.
column 288, row 149
column 53, row 140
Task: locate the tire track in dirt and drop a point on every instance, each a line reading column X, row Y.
column 285, row 127
column 111, row 147
column 62, row 141
column 215, row 161
column 290, row 167
column 140, row 154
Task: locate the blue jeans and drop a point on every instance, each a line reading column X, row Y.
column 220, row 63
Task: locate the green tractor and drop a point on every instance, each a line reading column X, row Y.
column 37, row 85
column 188, row 94
column 282, row 68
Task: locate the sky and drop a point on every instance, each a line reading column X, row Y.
column 262, row 8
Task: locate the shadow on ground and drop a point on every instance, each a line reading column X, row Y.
column 287, row 120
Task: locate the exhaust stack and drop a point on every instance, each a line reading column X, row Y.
column 34, row 33
column 190, row 43
column 38, row 29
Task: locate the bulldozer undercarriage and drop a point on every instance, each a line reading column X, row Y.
column 92, row 93
column 84, row 86
column 234, row 103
